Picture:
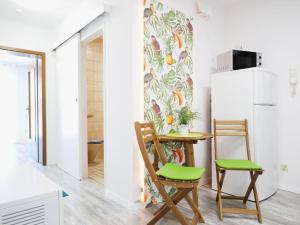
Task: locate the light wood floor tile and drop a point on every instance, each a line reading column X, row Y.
column 87, row 205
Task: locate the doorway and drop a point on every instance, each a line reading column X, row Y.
column 23, row 129
column 94, row 87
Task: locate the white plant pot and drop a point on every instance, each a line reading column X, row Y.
column 184, row 129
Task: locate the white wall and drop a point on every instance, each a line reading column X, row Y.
column 123, row 46
column 19, row 35
column 272, row 27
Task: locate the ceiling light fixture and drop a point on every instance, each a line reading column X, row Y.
column 38, row 5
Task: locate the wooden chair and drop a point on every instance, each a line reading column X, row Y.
column 185, row 179
column 236, row 128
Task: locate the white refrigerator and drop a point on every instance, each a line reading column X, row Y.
column 247, row 94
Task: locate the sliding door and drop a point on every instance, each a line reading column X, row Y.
column 68, row 71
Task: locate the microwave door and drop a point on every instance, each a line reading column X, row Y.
column 244, row 59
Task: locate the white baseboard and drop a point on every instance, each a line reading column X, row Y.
column 289, row 188
column 121, row 201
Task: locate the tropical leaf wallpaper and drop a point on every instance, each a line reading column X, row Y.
column 168, row 84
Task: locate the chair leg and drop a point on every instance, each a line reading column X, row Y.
column 171, row 204
column 250, row 188
column 221, row 181
column 198, row 215
column 219, row 195
column 165, row 208
column 175, row 197
column 257, row 204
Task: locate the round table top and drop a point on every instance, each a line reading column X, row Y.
column 192, row 136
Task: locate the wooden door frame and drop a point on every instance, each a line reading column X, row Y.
column 43, row 57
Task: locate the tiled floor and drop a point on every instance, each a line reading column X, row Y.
column 96, row 168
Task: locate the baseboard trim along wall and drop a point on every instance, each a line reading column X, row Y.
column 289, row 188
column 121, row 201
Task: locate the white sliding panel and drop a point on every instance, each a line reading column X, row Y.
column 69, row 138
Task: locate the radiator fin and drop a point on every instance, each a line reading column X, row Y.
column 30, row 216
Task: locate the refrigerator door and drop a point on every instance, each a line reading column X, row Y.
column 265, row 149
column 232, row 99
column 247, row 94
column 264, row 87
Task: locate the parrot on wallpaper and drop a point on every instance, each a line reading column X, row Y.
column 177, row 93
column 149, row 12
column 155, row 107
column 149, row 76
column 177, row 153
column 189, row 80
column 177, row 38
column 189, row 25
column 155, row 44
column 183, row 55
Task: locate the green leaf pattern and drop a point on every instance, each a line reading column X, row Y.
column 168, row 68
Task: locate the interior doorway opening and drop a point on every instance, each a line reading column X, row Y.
column 94, row 96
column 22, row 116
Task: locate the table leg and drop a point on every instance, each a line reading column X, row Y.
column 190, row 160
column 187, row 154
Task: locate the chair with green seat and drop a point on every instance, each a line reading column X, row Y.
column 185, row 179
column 235, row 128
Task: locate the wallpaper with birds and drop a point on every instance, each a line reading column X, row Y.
column 168, row 84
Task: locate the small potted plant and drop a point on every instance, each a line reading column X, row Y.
column 185, row 118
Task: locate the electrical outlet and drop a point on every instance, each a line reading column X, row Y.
column 284, row 167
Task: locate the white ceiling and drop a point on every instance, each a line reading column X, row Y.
column 54, row 13
column 55, row 10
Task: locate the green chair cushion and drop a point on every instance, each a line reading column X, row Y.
column 176, row 172
column 236, row 164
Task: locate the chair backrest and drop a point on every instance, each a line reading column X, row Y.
column 231, row 128
column 146, row 134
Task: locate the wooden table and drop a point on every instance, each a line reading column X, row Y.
column 189, row 150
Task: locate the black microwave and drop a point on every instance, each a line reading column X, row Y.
column 238, row 59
